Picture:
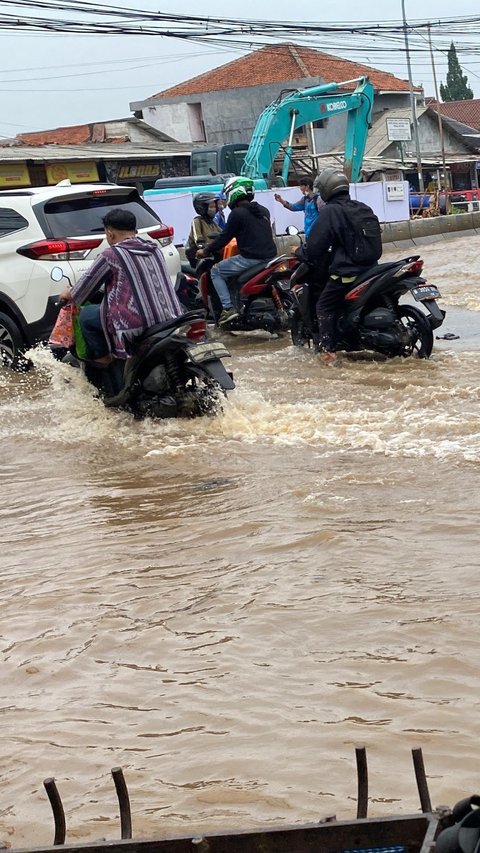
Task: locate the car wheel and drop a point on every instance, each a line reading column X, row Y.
column 11, row 344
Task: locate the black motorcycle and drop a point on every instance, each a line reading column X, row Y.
column 173, row 371
column 187, row 288
column 372, row 317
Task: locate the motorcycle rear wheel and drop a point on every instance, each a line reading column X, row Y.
column 421, row 344
column 208, row 399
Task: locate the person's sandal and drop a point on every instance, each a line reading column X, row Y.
column 328, row 358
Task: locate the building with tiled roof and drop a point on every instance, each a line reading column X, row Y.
column 125, row 151
column 465, row 112
column 114, row 131
column 279, row 63
column 222, row 105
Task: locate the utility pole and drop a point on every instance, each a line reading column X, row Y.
column 413, row 104
column 439, row 114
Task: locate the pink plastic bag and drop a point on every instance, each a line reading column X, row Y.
column 62, row 332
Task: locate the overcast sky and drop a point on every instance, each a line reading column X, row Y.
column 54, row 80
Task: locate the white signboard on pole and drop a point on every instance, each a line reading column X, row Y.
column 399, row 129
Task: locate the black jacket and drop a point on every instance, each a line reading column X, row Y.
column 327, row 234
column 250, row 224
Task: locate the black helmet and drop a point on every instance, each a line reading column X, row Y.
column 329, row 182
column 201, row 202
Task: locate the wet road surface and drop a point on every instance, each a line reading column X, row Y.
column 226, row 607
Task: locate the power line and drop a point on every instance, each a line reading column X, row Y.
column 234, row 35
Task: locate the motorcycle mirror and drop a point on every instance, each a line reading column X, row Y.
column 292, row 231
column 56, row 274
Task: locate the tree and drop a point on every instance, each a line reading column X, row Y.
column 456, row 88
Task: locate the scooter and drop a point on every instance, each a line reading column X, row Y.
column 187, row 289
column 261, row 294
column 172, row 372
column 372, row 317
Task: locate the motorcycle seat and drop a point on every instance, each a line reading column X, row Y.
column 189, row 316
column 249, row 273
column 377, row 270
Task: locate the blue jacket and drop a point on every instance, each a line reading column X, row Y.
column 310, row 206
column 219, row 219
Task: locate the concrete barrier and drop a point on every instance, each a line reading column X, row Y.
column 419, row 231
column 413, row 232
column 426, row 230
column 476, row 220
column 426, row 227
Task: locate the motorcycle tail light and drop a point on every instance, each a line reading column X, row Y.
column 164, row 234
column 68, row 249
column 415, row 268
column 197, row 330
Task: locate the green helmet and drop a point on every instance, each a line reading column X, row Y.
column 237, row 189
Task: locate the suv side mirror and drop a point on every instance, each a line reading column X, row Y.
column 56, row 274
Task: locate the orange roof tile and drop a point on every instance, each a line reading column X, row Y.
column 467, row 112
column 279, row 63
column 77, row 134
column 61, row 135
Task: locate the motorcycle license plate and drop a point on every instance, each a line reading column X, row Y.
column 425, row 291
column 207, row 352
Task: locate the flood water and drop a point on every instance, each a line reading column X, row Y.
column 227, row 607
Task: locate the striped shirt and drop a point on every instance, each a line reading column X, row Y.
column 138, row 291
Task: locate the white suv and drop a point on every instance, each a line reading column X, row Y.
column 61, row 226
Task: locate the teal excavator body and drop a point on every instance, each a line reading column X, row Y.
column 278, row 123
column 281, row 118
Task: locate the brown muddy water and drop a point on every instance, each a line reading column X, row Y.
column 226, row 607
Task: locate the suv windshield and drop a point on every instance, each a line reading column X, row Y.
column 76, row 217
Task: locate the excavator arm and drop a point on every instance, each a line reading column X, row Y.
column 281, row 118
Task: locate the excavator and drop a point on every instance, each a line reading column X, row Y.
column 295, row 109
column 278, row 123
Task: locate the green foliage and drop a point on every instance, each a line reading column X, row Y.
column 456, row 87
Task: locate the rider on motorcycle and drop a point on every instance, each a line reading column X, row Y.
column 204, row 228
column 249, row 224
column 330, row 246
column 138, row 291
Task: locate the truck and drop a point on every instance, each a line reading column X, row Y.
column 276, row 124
column 210, row 167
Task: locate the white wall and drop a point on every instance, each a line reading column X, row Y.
column 174, row 120
column 178, row 211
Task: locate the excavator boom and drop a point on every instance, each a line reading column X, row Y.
column 281, row 118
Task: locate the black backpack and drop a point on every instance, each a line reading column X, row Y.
column 362, row 234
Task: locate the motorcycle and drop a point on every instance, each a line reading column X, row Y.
column 371, row 317
column 172, row 372
column 261, row 294
column 187, row 289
